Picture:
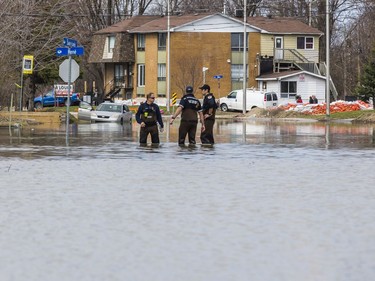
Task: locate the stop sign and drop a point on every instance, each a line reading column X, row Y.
column 64, row 71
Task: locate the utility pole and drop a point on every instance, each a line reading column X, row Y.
column 244, row 57
column 168, row 57
column 328, row 76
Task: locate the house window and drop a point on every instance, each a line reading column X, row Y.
column 111, row 43
column 162, row 41
column 305, row 43
column 141, row 75
column 162, row 72
column 288, row 89
column 237, row 72
column 237, row 41
column 141, row 42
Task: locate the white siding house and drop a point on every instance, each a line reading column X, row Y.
column 289, row 84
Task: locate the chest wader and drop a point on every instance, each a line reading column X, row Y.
column 149, row 118
column 188, row 126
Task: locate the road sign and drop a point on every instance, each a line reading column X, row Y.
column 70, row 42
column 27, row 64
column 64, row 71
column 61, row 90
column 174, row 98
column 75, row 51
column 218, row 76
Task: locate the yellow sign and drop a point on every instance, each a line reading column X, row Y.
column 28, row 64
column 174, row 98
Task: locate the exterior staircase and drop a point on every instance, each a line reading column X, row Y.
column 292, row 60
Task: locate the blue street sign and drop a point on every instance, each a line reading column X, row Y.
column 218, row 76
column 77, row 51
column 70, row 42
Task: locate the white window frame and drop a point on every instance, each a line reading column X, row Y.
column 141, row 79
column 111, row 43
column 162, row 41
column 289, row 94
column 306, row 45
column 141, row 42
column 237, row 72
column 162, row 72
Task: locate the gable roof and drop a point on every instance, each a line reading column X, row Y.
column 161, row 24
column 157, row 23
column 278, row 25
column 286, row 74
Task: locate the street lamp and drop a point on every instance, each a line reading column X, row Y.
column 204, row 69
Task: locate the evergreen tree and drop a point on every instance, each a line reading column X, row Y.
column 366, row 89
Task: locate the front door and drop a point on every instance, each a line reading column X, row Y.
column 279, row 47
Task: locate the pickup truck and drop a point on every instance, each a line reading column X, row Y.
column 49, row 99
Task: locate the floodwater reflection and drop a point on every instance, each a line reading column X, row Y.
column 277, row 133
column 269, row 201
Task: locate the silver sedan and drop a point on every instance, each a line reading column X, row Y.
column 105, row 112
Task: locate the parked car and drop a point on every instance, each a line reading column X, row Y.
column 48, row 99
column 234, row 100
column 105, row 112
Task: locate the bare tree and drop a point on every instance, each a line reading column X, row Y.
column 188, row 73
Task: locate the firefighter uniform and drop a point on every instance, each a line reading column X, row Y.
column 150, row 115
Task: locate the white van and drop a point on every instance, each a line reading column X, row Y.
column 234, row 101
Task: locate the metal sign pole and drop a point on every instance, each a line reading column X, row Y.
column 68, row 99
column 244, row 59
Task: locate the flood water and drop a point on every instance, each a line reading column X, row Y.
column 270, row 201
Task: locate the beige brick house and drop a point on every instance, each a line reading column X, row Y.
column 202, row 46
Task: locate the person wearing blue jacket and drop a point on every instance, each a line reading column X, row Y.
column 148, row 116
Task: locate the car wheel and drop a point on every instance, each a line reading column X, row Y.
column 224, row 107
column 38, row 105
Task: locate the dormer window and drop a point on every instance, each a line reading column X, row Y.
column 111, row 43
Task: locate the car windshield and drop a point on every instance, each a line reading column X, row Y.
column 109, row 107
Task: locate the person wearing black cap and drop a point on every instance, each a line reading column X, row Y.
column 209, row 109
column 189, row 108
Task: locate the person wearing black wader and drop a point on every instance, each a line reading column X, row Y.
column 209, row 109
column 189, row 108
column 148, row 116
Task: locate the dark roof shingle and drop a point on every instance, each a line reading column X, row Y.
column 127, row 24
column 283, row 25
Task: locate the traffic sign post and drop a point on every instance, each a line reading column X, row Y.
column 74, row 51
column 64, row 70
column 69, row 70
column 218, row 77
column 70, row 42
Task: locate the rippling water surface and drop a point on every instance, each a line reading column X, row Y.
column 270, row 201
